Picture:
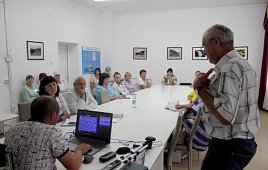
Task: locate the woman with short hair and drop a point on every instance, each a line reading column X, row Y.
column 128, row 83
column 29, row 91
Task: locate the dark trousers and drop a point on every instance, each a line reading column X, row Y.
column 231, row 154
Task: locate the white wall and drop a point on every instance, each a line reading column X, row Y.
column 184, row 28
column 108, row 43
column 53, row 21
column 48, row 21
column 5, row 97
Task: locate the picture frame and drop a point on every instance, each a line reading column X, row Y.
column 197, row 53
column 174, row 53
column 243, row 51
column 35, row 50
column 139, row 53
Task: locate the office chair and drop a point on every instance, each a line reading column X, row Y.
column 174, row 140
column 104, row 96
column 188, row 147
column 6, row 157
column 24, row 111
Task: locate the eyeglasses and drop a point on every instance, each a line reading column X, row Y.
column 203, row 45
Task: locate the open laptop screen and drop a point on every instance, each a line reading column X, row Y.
column 94, row 125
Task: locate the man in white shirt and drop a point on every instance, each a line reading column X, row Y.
column 142, row 82
column 230, row 114
column 80, row 97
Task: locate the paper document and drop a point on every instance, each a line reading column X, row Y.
column 117, row 117
column 171, row 106
column 68, row 122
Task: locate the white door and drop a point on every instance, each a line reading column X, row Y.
column 63, row 63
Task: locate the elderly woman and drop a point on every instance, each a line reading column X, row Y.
column 104, row 85
column 94, row 80
column 170, row 78
column 118, row 86
column 108, row 71
column 49, row 87
column 63, row 86
column 29, row 91
column 128, row 83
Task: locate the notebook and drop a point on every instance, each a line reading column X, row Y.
column 94, row 128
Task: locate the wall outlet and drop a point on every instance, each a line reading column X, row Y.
column 9, row 59
column 6, row 81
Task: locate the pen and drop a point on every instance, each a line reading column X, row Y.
column 63, row 122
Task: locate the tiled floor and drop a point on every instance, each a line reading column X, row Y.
column 259, row 161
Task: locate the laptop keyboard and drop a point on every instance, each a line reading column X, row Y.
column 79, row 141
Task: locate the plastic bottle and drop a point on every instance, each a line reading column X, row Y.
column 163, row 85
column 134, row 100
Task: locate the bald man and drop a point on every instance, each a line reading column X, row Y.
column 79, row 97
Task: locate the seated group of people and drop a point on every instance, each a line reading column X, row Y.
column 53, row 102
column 79, row 97
column 52, row 107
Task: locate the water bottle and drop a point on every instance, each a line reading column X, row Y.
column 134, row 100
column 163, row 85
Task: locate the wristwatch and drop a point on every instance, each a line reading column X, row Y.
column 198, row 89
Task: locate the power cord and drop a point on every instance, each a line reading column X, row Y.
column 70, row 134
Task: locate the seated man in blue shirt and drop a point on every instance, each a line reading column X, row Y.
column 37, row 143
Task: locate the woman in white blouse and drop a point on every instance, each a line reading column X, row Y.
column 118, row 86
column 49, row 87
column 64, row 87
column 94, row 80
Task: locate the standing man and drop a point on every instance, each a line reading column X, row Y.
column 37, row 143
column 142, row 82
column 230, row 111
column 79, row 97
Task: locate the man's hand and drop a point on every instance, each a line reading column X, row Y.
column 65, row 116
column 80, row 91
column 202, row 79
column 120, row 97
column 83, row 148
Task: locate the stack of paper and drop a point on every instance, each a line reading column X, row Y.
column 117, row 117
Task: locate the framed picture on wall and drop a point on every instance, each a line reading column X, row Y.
column 174, row 53
column 35, row 50
column 243, row 51
column 139, row 53
column 198, row 53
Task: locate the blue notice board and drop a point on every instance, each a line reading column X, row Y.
column 90, row 59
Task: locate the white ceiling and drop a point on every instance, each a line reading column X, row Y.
column 133, row 6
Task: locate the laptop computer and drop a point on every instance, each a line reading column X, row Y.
column 92, row 127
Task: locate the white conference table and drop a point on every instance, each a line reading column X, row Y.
column 5, row 117
column 149, row 118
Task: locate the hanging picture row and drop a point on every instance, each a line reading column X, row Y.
column 175, row 53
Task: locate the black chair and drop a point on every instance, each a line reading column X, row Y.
column 6, row 157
